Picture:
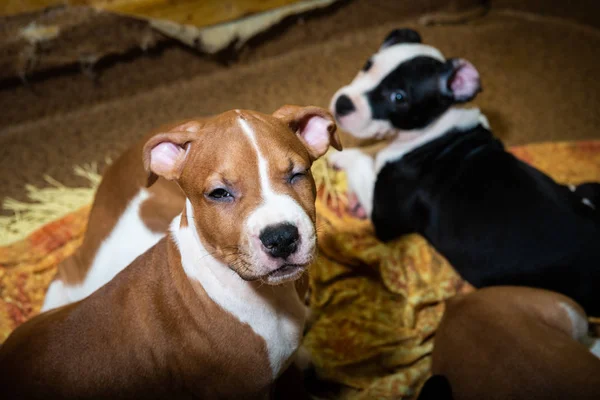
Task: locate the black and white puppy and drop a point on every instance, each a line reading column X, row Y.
column 496, row 219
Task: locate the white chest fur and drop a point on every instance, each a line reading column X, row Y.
column 455, row 118
column 274, row 312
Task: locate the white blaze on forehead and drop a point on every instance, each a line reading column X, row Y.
column 388, row 59
column 262, row 163
column 275, row 209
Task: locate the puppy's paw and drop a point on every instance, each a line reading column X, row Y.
column 355, row 208
column 360, row 176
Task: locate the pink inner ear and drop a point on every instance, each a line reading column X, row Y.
column 165, row 159
column 465, row 83
column 316, row 134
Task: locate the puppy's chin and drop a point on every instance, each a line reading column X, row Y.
column 283, row 274
column 369, row 130
column 286, row 273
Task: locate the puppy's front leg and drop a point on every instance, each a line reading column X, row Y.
column 360, row 174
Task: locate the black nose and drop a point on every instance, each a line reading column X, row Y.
column 280, row 240
column 344, row 106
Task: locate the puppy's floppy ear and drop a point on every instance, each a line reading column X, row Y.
column 461, row 81
column 398, row 36
column 315, row 127
column 164, row 154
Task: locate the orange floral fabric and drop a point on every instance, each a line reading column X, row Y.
column 27, row 267
column 375, row 307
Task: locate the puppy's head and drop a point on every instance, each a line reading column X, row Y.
column 247, row 179
column 404, row 86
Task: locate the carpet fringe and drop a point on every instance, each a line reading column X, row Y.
column 54, row 202
column 46, row 204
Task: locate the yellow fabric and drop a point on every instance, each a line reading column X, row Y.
column 376, row 307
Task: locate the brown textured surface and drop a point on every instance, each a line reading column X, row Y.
column 170, row 62
column 583, row 11
column 83, row 35
column 539, row 75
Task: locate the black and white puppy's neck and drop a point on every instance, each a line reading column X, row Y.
column 454, row 119
column 362, row 170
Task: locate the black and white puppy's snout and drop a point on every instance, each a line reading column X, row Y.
column 280, row 240
column 344, row 106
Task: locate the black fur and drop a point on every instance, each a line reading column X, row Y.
column 398, row 36
column 591, row 192
column 496, row 219
column 420, row 83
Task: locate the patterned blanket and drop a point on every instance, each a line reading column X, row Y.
column 376, row 307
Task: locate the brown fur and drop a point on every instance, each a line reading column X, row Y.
column 514, row 343
column 120, row 183
column 125, row 339
column 151, row 332
column 127, row 175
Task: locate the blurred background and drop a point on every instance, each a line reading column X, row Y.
column 80, row 80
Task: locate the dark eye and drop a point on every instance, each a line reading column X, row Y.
column 220, row 194
column 297, row 176
column 398, row 97
column 367, row 65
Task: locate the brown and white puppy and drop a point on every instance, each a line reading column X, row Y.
column 211, row 310
column 513, row 343
column 128, row 217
